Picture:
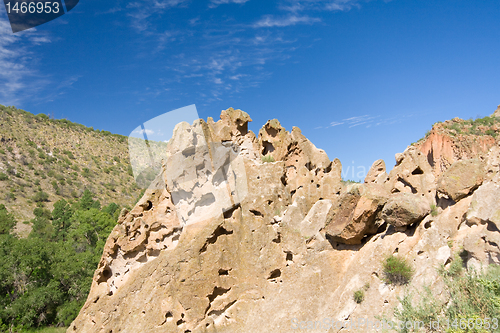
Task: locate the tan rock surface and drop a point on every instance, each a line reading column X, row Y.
column 403, row 209
column 461, row 178
column 281, row 243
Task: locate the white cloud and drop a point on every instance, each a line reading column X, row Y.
column 269, row 21
column 333, row 123
column 143, row 10
column 296, row 6
column 142, row 131
column 18, row 73
column 215, row 3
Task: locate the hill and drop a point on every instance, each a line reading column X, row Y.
column 45, row 160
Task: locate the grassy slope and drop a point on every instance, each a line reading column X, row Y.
column 62, row 159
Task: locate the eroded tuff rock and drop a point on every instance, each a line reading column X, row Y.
column 377, row 173
column 403, row 209
column 461, row 178
column 443, row 148
column 355, row 214
column 229, row 243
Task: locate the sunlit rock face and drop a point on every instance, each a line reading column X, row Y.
column 229, row 239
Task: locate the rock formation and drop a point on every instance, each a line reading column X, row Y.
column 227, row 242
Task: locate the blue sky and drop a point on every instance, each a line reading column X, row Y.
column 362, row 79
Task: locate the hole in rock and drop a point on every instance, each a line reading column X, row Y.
column 217, row 292
column 242, row 128
column 277, row 239
column 220, row 231
column 492, row 226
column 283, row 180
column 268, row 148
column 149, row 205
column 272, row 131
column 275, row 274
column 223, row 272
column 256, row 212
column 229, row 213
column 417, row 171
column 106, row 273
column 448, row 261
column 427, row 224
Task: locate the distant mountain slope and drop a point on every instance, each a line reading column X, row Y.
column 60, row 158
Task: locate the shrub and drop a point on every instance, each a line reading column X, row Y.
column 40, row 196
column 397, row 270
column 434, row 210
column 69, row 154
column 42, row 116
column 359, row 296
column 3, row 176
column 2, row 151
column 267, row 159
column 473, row 297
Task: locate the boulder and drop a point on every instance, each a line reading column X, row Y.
column 485, row 206
column 462, row 178
column 403, row 209
column 354, row 215
column 316, row 219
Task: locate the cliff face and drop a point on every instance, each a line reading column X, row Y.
column 459, row 139
column 227, row 242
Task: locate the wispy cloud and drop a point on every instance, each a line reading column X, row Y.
column 270, row 21
column 367, row 121
column 141, row 11
column 318, row 5
column 18, row 73
column 222, row 56
column 215, row 3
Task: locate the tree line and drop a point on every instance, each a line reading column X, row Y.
column 46, row 277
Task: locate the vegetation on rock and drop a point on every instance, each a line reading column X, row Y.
column 473, row 305
column 397, row 270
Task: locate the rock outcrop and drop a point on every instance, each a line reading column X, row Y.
column 442, row 148
column 461, row 178
column 246, row 233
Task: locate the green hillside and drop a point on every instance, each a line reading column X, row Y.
column 45, row 160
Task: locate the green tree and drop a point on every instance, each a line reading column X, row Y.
column 7, row 221
column 61, row 218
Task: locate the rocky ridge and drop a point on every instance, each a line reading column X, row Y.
column 226, row 242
